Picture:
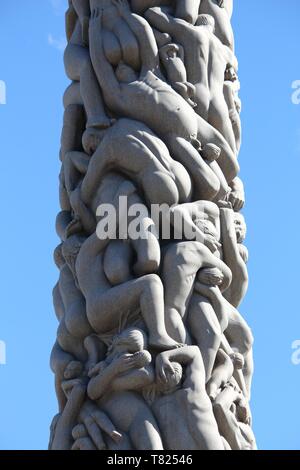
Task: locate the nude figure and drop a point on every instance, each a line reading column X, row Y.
column 75, row 391
column 114, row 385
column 224, row 368
column 197, row 221
column 150, row 100
column 77, row 410
column 73, row 301
column 221, row 10
column 233, row 230
column 144, row 251
column 181, row 402
column 230, row 90
column 184, row 9
column 131, row 148
column 237, row 194
column 107, row 306
column 205, row 67
column 119, row 41
column 79, row 68
column 172, row 58
column 232, row 414
column 181, row 264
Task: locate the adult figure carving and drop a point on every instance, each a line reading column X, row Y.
column 205, row 67
column 151, row 100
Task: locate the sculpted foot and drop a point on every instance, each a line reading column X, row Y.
column 163, row 343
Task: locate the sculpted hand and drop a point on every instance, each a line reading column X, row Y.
column 73, row 370
column 97, row 422
column 96, row 369
column 163, row 367
column 68, row 386
column 237, row 199
column 212, row 244
column 124, row 363
column 95, row 22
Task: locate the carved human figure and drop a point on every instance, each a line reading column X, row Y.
column 106, row 305
column 221, row 10
column 184, row 9
column 114, row 385
column 119, row 42
column 182, row 261
column 79, row 68
column 132, row 148
column 149, row 99
column 197, row 221
column 237, row 194
column 230, row 90
column 181, row 402
column 172, row 58
column 224, row 368
column 232, row 414
column 145, row 248
column 205, row 67
column 75, row 390
column 233, row 230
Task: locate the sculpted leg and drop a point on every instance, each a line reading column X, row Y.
column 106, row 311
column 73, row 128
column 144, row 432
column 206, row 330
column 79, row 68
column 240, row 338
column 206, row 184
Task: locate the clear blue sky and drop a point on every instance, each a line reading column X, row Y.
column 32, row 38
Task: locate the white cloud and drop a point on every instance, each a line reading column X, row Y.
column 57, row 43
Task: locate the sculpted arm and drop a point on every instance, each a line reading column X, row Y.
column 162, row 21
column 188, row 356
column 232, row 258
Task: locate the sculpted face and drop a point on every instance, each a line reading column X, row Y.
column 131, row 341
column 230, row 74
column 240, row 227
column 173, row 380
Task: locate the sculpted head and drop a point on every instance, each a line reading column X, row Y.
column 240, row 227
column 207, row 227
column 70, row 250
column 58, row 256
column 211, row 152
column 230, row 74
column 173, row 380
column 131, row 340
column 125, row 73
column 206, row 20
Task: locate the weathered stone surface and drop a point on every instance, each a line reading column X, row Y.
column 151, row 350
